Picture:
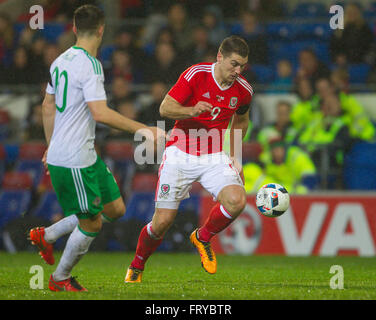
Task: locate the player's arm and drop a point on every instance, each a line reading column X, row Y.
column 103, row 114
column 48, row 115
column 171, row 108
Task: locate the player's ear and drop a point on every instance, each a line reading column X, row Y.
column 219, row 56
column 101, row 31
column 74, row 29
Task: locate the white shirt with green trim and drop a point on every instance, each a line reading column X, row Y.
column 76, row 78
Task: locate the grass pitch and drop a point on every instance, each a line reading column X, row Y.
column 180, row 277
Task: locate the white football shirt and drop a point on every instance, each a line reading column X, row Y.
column 76, row 78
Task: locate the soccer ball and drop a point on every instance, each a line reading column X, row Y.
column 272, row 200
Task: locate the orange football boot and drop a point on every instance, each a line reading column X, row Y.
column 36, row 236
column 208, row 259
column 133, row 275
column 70, row 284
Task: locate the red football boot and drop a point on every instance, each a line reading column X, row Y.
column 36, row 236
column 70, row 284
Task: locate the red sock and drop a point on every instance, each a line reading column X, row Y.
column 218, row 220
column 148, row 242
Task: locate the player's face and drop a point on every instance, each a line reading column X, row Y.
column 231, row 66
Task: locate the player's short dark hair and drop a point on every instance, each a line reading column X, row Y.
column 88, row 19
column 234, row 44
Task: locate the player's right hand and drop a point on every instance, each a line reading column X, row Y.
column 201, row 107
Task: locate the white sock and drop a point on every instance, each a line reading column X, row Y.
column 77, row 245
column 60, row 228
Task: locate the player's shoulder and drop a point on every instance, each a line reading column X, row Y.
column 81, row 59
column 197, row 70
column 244, row 85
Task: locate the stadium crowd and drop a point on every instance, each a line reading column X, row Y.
column 141, row 61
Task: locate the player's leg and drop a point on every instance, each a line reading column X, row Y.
column 231, row 202
column 113, row 204
column 225, row 184
column 113, row 208
column 76, row 247
column 173, row 186
column 150, row 238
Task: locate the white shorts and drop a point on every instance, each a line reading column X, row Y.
column 179, row 170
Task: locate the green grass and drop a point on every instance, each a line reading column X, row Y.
column 180, row 276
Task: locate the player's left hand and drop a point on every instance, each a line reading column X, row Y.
column 44, row 160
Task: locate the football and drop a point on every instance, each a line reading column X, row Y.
column 272, row 200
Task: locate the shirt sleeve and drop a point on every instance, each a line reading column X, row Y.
column 50, row 87
column 92, row 82
column 181, row 91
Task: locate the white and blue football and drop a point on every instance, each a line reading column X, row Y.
column 272, row 200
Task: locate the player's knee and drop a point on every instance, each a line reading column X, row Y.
column 92, row 225
column 235, row 203
column 119, row 210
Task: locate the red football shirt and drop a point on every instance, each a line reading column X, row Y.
column 205, row 133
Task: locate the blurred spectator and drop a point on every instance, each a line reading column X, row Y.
column 308, row 103
column 340, row 80
column 288, row 166
column 284, row 77
column 281, row 129
column 351, row 44
column 149, row 114
column 132, row 8
column 210, row 55
column 267, row 10
column 310, row 67
column 67, row 8
column 165, row 65
column 252, row 32
column 179, row 23
column 34, row 124
column 212, row 20
column 359, row 123
column 126, row 108
column 125, row 40
column 6, row 38
column 20, row 72
column 165, row 35
column 120, row 90
column 328, row 127
column 66, row 40
column 122, row 67
column 197, row 51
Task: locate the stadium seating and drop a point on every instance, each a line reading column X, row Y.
column 13, row 204
column 309, row 10
column 145, row 182
column 17, row 181
column 4, row 124
column 360, row 167
column 140, row 207
column 264, row 73
column 30, row 160
column 52, row 31
column 358, row 73
column 280, row 31
column 121, row 154
column 2, row 162
column 311, row 31
column 15, row 196
column 48, row 206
